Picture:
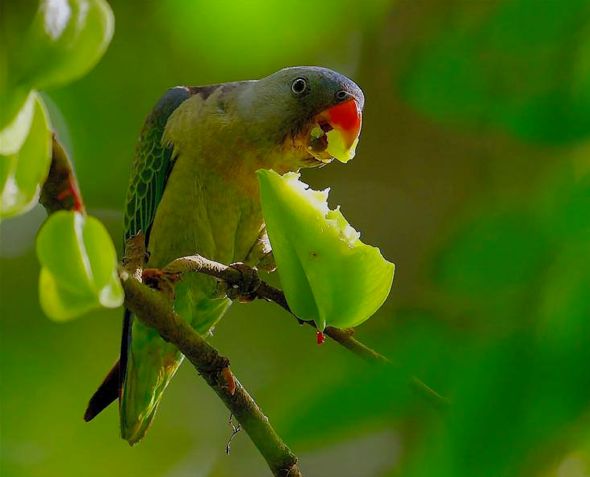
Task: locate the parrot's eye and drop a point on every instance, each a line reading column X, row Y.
column 342, row 95
column 299, row 86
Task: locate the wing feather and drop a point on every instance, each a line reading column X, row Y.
column 151, row 166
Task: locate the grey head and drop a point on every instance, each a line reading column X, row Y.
column 312, row 89
column 285, row 105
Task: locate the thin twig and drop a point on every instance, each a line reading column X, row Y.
column 234, row 277
column 234, row 432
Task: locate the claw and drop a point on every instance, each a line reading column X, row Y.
column 245, row 290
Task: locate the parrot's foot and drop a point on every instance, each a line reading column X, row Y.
column 160, row 280
column 245, row 290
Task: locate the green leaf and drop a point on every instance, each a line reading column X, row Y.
column 22, row 172
column 56, row 43
column 328, row 275
column 79, row 266
column 65, row 40
column 14, row 134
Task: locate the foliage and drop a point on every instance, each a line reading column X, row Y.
column 79, row 266
column 25, row 158
column 64, row 40
column 471, row 173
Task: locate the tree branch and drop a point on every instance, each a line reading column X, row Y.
column 60, row 192
column 155, row 309
column 237, row 277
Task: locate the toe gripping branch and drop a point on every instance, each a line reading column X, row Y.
column 240, row 282
column 245, row 289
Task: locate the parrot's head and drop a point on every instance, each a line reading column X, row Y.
column 314, row 112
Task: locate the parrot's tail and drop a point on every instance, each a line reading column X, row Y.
column 146, row 373
column 151, row 362
column 107, row 392
column 148, row 363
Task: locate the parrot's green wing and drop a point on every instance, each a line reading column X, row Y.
column 150, row 171
column 151, row 166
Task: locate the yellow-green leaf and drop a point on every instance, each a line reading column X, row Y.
column 65, row 40
column 14, row 134
column 328, row 275
column 62, row 42
column 22, row 172
column 49, row 46
column 79, row 266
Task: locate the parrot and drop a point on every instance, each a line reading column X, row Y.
column 193, row 190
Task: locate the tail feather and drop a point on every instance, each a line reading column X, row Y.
column 152, row 362
column 148, row 363
column 106, row 393
column 110, row 389
column 148, row 373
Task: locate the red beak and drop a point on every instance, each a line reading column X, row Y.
column 347, row 118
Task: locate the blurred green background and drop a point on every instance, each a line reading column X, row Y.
column 472, row 175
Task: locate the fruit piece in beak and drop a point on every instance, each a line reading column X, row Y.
column 335, row 132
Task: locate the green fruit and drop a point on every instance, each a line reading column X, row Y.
column 328, row 275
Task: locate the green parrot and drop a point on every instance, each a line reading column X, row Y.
column 193, row 189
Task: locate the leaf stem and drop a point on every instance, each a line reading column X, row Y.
column 61, row 191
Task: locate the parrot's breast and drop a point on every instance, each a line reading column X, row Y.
column 202, row 212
